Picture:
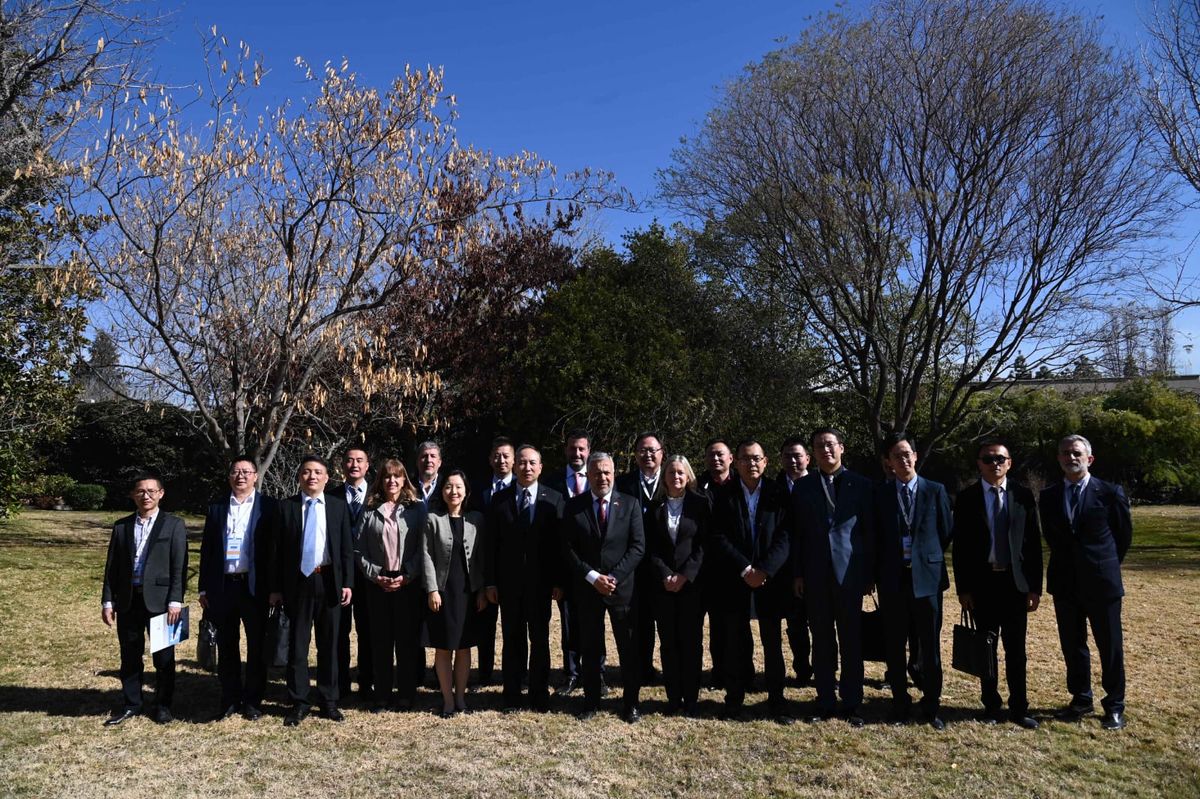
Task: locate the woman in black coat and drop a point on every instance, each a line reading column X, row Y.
column 675, row 535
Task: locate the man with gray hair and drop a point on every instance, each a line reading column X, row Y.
column 1088, row 528
column 429, row 482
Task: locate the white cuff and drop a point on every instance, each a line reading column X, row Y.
column 746, row 570
column 174, row 605
column 593, row 576
column 106, row 606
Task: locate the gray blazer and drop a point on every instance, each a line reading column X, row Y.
column 369, row 550
column 439, row 546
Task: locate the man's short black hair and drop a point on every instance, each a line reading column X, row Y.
column 894, row 438
column 833, row 431
column 145, row 474
column 312, row 457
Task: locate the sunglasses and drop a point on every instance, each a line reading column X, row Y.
column 993, row 459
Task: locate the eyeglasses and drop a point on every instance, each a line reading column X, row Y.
column 649, row 451
column 752, row 458
column 242, row 472
column 994, row 460
column 147, row 492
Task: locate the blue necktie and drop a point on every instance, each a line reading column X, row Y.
column 1076, row 490
column 308, row 561
column 1000, row 552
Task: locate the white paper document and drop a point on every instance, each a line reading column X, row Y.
column 163, row 635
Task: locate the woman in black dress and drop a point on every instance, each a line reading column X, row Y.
column 454, row 551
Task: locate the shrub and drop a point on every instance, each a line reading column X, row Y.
column 85, row 496
column 50, row 489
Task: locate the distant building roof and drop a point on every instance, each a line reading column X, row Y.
column 1100, row 385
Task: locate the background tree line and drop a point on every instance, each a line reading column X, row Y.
column 883, row 221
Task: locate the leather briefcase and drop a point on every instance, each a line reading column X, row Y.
column 278, row 638
column 206, row 645
column 974, row 649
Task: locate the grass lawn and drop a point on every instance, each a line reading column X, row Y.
column 58, row 681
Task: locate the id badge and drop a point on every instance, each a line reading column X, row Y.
column 906, row 542
column 233, row 553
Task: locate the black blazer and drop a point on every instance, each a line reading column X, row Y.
column 369, row 550
column 932, row 526
column 212, row 547
column 164, row 574
column 686, row 555
column 853, row 521
column 288, row 541
column 525, row 559
column 558, row 481
column 735, row 548
column 618, row 552
column 631, row 483
column 1085, row 556
column 973, row 540
column 436, row 503
column 338, row 491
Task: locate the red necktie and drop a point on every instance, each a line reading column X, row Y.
column 603, row 515
column 578, row 483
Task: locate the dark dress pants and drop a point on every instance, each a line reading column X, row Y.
column 525, row 625
column 835, row 617
column 485, row 630
column 132, row 630
column 395, row 618
column 358, row 614
column 314, row 608
column 591, row 612
column 680, row 618
column 1073, row 615
column 1000, row 609
column 739, row 657
column 238, row 609
column 798, row 640
column 902, row 613
column 568, row 624
column 645, row 588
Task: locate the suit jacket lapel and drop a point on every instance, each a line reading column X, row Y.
column 1016, row 527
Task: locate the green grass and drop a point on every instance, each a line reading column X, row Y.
column 58, row 682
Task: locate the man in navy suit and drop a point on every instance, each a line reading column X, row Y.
column 998, row 571
column 501, row 458
column 833, row 552
column 603, row 543
column 914, row 527
column 524, row 575
column 355, row 465
column 144, row 575
column 233, row 562
column 646, row 484
column 1088, row 528
column 753, row 576
column 312, row 574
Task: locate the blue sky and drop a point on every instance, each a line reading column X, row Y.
column 608, row 85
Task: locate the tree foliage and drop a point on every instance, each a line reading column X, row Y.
column 940, row 187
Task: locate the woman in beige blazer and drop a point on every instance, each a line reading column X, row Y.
column 454, row 552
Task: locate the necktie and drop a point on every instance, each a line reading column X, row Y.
column 1000, row 553
column 906, row 498
column 578, row 483
column 308, row 560
column 1076, row 490
column 356, row 503
column 603, row 516
column 496, row 489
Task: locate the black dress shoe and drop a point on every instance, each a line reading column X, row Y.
column 691, row 710
column 448, row 714
column 250, row 712
column 853, row 719
column 332, row 713
column 733, row 713
column 899, row 715
column 297, row 714
column 603, row 688
column 1075, row 712
column 587, row 714
column 632, row 715
column 1025, row 721
column 568, row 687
column 937, row 723
column 162, row 715
column 1113, row 720
column 120, row 718
column 821, row 715
column 989, row 717
column 379, row 707
column 228, row 713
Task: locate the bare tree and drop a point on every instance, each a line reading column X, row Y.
column 252, row 264
column 940, row 187
column 1173, row 93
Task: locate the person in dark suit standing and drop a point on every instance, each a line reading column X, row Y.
column 603, row 543
column 145, row 574
column 353, row 492
column 914, row 528
column 429, row 482
column 571, row 483
column 750, row 539
column 1088, row 528
column 793, row 455
column 524, row 575
column 676, row 534
column 998, row 571
column 644, row 482
column 719, row 457
column 833, row 551
column 391, row 558
column 501, row 458
column 312, row 575
column 234, row 554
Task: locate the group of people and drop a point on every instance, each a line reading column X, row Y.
column 426, row 563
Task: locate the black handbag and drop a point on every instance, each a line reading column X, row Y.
column 874, row 638
column 206, row 644
column 279, row 637
column 974, row 649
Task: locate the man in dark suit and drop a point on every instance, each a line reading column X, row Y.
column 833, row 556
column 720, row 473
column 793, row 455
column 571, row 482
column 603, row 543
column 501, row 459
column 144, row 575
column 234, row 555
column 914, row 526
column 719, row 457
column 429, row 481
column 1088, row 528
column 645, row 483
column 355, row 465
column 524, row 575
column 312, row 574
column 998, row 571
column 750, row 543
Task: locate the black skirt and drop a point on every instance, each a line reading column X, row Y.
column 453, row 627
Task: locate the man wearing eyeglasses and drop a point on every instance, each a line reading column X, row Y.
column 145, row 575
column 795, row 459
column 998, row 572
column 233, row 592
column 646, row 484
